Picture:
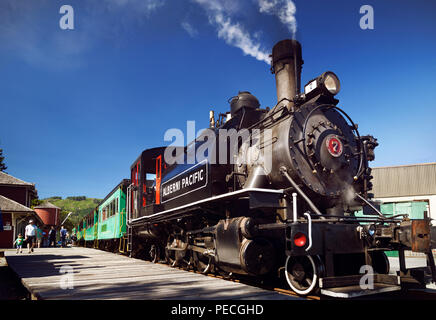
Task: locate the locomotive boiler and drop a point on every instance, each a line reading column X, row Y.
column 272, row 192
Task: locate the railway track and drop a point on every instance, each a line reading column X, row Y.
column 411, row 294
column 276, row 287
column 252, row 283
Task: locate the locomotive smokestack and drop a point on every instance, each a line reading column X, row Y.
column 286, row 65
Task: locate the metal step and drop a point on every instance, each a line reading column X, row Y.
column 349, row 286
column 357, row 291
column 352, row 280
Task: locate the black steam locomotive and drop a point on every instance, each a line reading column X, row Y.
column 266, row 192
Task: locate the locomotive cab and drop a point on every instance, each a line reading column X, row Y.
column 145, row 175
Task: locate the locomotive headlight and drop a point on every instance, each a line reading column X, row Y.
column 331, row 82
column 327, row 83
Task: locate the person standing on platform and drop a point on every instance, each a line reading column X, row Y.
column 63, row 233
column 30, row 235
column 52, row 237
column 38, row 236
column 44, row 238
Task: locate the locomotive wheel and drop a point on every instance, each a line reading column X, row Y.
column 174, row 257
column 202, row 263
column 187, row 260
column 302, row 273
column 154, row 253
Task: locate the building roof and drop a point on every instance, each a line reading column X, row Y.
column 10, row 180
column 8, row 205
column 11, row 206
column 47, row 205
column 406, row 180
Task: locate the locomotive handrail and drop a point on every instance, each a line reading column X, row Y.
column 309, row 231
column 218, row 197
column 294, row 207
column 284, row 172
column 372, row 207
column 129, row 209
column 376, row 219
column 268, row 116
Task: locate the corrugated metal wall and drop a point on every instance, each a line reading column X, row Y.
column 410, row 180
column 414, row 209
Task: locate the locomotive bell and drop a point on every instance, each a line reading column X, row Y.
column 244, row 99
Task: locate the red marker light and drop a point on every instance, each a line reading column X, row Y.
column 300, row 239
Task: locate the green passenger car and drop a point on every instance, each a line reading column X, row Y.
column 79, row 233
column 105, row 227
column 89, row 227
column 111, row 220
column 74, row 231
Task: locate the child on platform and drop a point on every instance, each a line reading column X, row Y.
column 19, row 243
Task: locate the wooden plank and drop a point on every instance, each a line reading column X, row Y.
column 144, row 290
column 102, row 275
column 169, row 291
column 180, row 277
column 111, row 273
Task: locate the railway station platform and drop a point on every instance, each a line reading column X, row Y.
column 83, row 274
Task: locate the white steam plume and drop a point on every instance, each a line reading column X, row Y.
column 283, row 9
column 189, row 29
column 235, row 35
column 232, row 33
column 221, row 14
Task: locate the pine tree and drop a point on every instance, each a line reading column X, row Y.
column 2, row 164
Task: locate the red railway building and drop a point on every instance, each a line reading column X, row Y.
column 49, row 214
column 15, row 199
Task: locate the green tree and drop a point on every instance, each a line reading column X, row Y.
column 36, row 202
column 3, row 166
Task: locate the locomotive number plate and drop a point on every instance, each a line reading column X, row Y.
column 334, row 145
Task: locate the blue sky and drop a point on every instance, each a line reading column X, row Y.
column 78, row 106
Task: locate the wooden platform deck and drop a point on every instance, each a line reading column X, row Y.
column 96, row 274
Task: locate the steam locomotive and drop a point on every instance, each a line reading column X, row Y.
column 272, row 191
